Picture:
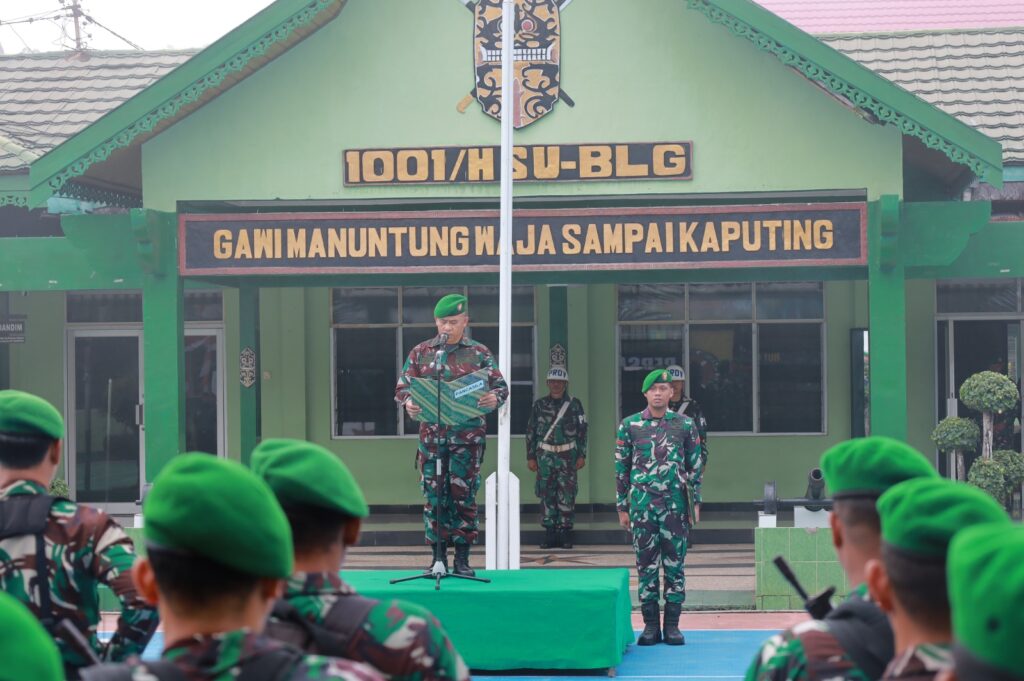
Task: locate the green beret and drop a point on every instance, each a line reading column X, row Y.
column 656, row 376
column 301, row 472
column 985, row 573
column 451, row 304
column 218, row 509
column 923, row 514
column 26, row 649
column 867, row 466
column 25, row 414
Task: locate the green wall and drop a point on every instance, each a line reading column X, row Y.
column 390, row 72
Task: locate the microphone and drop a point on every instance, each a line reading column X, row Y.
column 443, row 338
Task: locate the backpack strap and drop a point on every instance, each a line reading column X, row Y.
column 30, row 514
column 332, row 637
column 161, row 670
column 274, row 665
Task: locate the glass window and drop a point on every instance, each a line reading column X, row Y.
column 720, row 301
column 371, row 346
column 977, row 296
column 642, row 349
column 721, row 374
column 789, row 371
column 126, row 307
column 652, row 302
column 790, row 300
column 365, row 306
column 202, row 377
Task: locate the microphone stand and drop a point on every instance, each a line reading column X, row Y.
column 442, row 479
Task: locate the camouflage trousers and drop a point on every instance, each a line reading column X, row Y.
column 457, row 512
column 556, row 488
column 659, row 540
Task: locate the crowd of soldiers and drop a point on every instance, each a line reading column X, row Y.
column 241, row 565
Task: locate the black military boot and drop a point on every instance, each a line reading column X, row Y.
column 443, row 551
column 673, row 636
column 565, row 538
column 550, row 540
column 652, row 624
column 461, row 566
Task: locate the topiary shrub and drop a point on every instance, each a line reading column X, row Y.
column 989, row 476
column 955, row 435
column 990, row 393
column 1013, row 463
column 59, row 488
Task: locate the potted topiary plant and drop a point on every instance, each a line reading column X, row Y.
column 1013, row 465
column 989, row 476
column 989, row 393
column 954, row 436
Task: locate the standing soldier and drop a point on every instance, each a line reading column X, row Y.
column 218, row 549
column 556, row 447
column 465, row 442
column 75, row 546
column 919, row 518
column 986, row 594
column 657, row 452
column 322, row 614
column 683, row 405
column 855, row 640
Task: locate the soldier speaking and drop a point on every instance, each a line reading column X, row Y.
column 556, row 447
column 454, row 355
column 657, row 453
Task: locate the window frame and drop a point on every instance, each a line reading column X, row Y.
column 754, row 322
column 429, row 331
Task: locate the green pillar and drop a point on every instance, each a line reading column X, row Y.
column 558, row 318
column 249, row 368
column 887, row 320
column 163, row 331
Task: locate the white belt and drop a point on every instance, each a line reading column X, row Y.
column 557, row 449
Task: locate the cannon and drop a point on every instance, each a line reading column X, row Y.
column 805, row 509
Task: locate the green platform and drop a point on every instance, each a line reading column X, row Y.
column 523, row 619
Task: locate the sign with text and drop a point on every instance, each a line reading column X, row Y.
column 680, row 237
column 533, row 163
column 12, row 330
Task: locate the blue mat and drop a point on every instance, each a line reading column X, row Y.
column 709, row 655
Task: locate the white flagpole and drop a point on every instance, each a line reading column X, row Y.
column 505, row 279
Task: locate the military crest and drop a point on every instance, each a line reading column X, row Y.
column 536, row 58
column 557, row 356
column 247, row 367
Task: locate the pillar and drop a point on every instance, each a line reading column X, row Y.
column 249, row 369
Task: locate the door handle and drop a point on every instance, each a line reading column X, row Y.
column 140, row 415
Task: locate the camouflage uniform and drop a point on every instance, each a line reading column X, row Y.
column 810, row 651
column 85, row 548
column 465, row 442
column 921, row 663
column 556, row 471
column 402, row 640
column 221, row 657
column 654, row 461
column 691, row 408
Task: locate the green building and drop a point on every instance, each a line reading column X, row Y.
column 245, row 241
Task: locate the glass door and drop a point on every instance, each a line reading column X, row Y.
column 204, row 390
column 105, row 445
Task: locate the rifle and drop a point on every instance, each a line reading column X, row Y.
column 819, row 606
column 67, row 631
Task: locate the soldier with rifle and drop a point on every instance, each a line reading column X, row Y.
column 55, row 553
column 854, row 640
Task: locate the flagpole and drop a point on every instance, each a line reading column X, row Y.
column 505, row 280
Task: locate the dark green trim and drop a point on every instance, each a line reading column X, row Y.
column 276, row 28
column 249, row 398
column 857, row 86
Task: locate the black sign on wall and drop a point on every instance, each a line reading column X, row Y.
column 554, row 239
column 12, row 330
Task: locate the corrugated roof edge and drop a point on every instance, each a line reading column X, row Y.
column 922, row 32
column 102, row 53
column 282, row 24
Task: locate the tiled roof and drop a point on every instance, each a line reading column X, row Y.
column 886, row 16
column 975, row 75
column 46, row 98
